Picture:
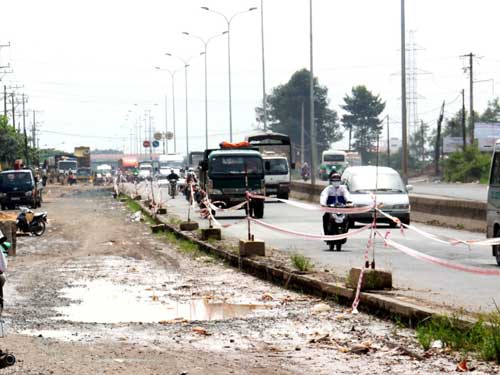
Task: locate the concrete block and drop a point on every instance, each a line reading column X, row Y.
column 214, row 233
column 161, row 211
column 157, row 228
column 250, row 248
column 372, row 279
column 9, row 229
column 189, row 226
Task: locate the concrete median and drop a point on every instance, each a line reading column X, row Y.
column 463, row 214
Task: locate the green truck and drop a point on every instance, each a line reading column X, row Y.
column 227, row 174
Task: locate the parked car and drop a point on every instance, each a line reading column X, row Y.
column 362, row 182
column 19, row 187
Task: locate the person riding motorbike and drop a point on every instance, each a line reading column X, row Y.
column 305, row 171
column 335, row 193
column 190, row 180
column 172, row 175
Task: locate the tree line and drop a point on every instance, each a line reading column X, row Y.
column 14, row 145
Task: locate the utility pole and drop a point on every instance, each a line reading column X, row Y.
column 302, row 134
column 311, row 100
column 404, row 124
column 33, row 131
column 464, row 132
column 437, row 152
column 470, row 68
column 26, row 154
column 388, row 144
column 264, row 109
column 5, row 100
column 12, row 96
column 165, row 145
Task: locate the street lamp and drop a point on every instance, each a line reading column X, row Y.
column 205, row 44
column 228, row 21
column 172, row 74
column 186, row 65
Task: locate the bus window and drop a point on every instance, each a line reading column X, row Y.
column 495, row 170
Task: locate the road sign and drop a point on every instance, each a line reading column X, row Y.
column 170, row 135
column 157, row 136
column 156, row 143
column 146, row 144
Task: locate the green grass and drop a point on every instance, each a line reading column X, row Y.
column 482, row 337
column 184, row 246
column 133, row 205
column 301, row 262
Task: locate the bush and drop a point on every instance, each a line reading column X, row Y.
column 468, row 166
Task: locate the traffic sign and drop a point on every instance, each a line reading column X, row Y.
column 169, row 135
column 157, row 136
column 146, row 144
column 156, row 143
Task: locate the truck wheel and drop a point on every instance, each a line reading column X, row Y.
column 497, row 248
column 258, row 209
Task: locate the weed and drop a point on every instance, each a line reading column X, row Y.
column 174, row 220
column 460, row 226
column 301, row 262
column 133, row 205
column 482, row 337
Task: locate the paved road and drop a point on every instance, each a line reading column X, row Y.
column 412, row 277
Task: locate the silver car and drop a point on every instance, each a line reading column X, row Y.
column 366, row 182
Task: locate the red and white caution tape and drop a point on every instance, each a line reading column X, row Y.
column 441, row 262
column 311, row 236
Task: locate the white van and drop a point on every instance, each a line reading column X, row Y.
column 493, row 205
column 277, row 174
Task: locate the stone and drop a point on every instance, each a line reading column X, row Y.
column 372, row 279
column 250, row 248
column 189, row 226
column 157, row 228
column 214, row 233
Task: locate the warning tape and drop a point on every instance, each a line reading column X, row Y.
column 311, row 236
column 441, row 262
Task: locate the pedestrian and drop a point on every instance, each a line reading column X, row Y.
column 4, row 247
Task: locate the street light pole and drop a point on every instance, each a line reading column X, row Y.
column 404, row 159
column 311, row 100
column 205, row 45
column 172, row 74
column 228, row 22
column 264, row 110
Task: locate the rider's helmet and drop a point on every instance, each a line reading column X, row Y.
column 334, row 178
column 171, row 171
column 190, row 169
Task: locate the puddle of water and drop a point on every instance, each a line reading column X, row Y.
column 100, row 301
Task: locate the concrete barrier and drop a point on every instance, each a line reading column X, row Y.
column 464, row 214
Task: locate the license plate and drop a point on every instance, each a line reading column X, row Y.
column 271, row 190
column 15, row 199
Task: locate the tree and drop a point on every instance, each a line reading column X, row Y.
column 363, row 109
column 492, row 113
column 12, row 143
column 284, row 109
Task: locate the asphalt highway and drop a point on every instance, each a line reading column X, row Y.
column 412, row 277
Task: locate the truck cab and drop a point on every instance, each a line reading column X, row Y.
column 227, row 174
column 19, row 187
column 493, row 201
column 277, row 174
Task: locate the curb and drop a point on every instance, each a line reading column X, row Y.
column 374, row 303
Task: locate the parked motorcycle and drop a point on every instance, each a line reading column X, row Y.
column 31, row 222
column 338, row 224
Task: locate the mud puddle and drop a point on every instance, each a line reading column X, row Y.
column 101, row 301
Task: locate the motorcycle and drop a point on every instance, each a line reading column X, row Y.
column 305, row 174
column 30, row 222
column 338, row 223
column 172, row 187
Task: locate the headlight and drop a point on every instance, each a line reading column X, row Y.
column 29, row 193
column 401, row 206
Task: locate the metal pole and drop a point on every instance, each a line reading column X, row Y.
column 471, row 104
column 13, row 111
column 464, row 135
column 404, row 159
column 206, row 99
column 388, row 144
column 5, row 100
column 311, row 100
column 264, row 109
column 302, row 134
column 166, row 126
column 187, row 122
column 229, row 79
column 173, row 112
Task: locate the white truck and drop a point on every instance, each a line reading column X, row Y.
column 277, row 174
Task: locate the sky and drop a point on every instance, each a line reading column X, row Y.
column 88, row 67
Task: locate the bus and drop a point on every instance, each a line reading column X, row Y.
column 332, row 159
column 276, row 151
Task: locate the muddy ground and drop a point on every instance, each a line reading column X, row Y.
column 99, row 294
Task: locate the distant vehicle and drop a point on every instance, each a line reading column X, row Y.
column 362, row 182
column 171, row 161
column 162, row 180
column 330, row 159
column 127, row 164
column 84, row 174
column 19, row 187
column 276, row 150
column 353, row 159
column 194, row 159
column 227, row 173
column 493, row 201
column 82, row 155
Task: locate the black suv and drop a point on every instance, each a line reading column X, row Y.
column 18, row 188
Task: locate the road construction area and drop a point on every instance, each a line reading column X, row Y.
column 98, row 293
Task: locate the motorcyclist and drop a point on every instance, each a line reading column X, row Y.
column 173, row 175
column 190, row 180
column 305, row 171
column 334, row 193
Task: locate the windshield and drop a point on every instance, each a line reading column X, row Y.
column 336, row 158
column 171, row 164
column 195, row 159
column 66, row 165
column 364, row 183
column 16, row 179
column 276, row 166
column 234, row 164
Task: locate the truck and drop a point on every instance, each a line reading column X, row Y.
column 58, row 164
column 226, row 174
column 83, row 172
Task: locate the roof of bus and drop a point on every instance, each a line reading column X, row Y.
column 237, row 151
column 334, row 152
